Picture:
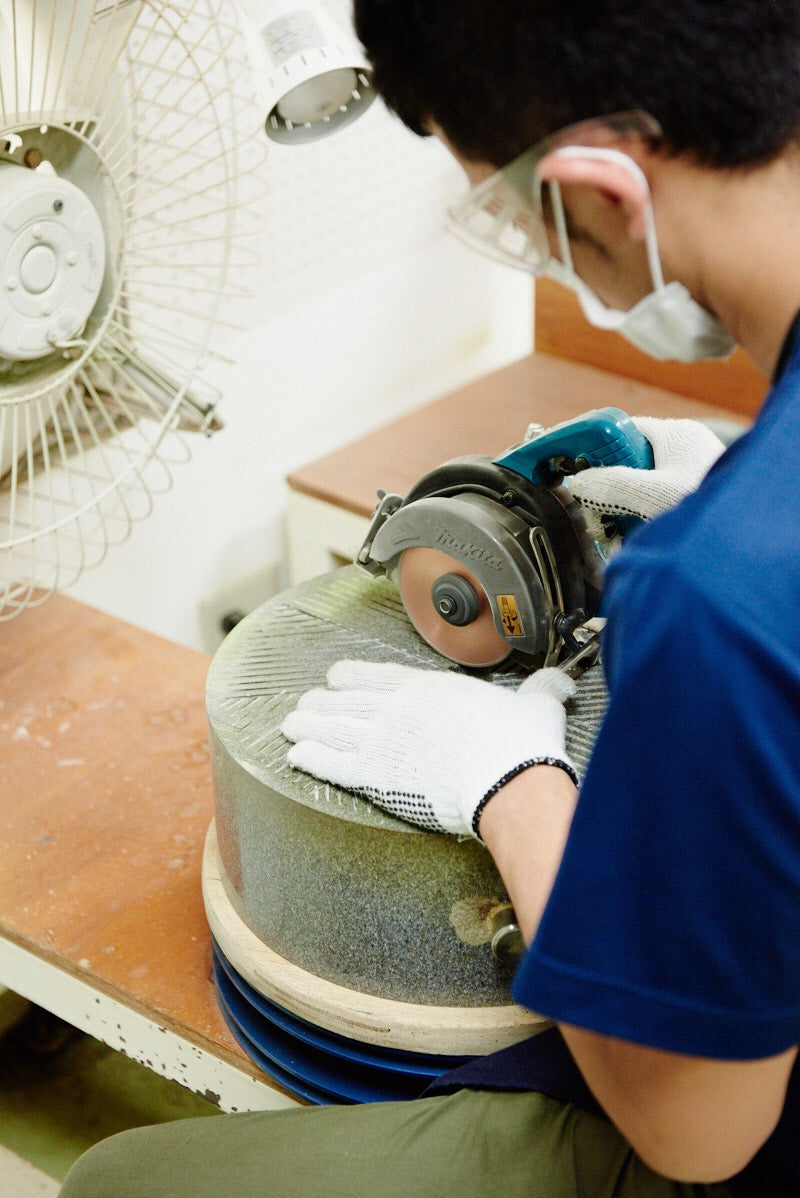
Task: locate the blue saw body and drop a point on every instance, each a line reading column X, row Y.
column 602, row 437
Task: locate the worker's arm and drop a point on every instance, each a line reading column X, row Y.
column 690, row 1118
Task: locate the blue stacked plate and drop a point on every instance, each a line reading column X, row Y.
column 313, row 1063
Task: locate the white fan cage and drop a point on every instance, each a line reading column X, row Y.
column 150, row 109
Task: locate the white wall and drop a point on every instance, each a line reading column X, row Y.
column 365, row 308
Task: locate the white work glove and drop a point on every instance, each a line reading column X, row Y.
column 428, row 746
column 683, row 453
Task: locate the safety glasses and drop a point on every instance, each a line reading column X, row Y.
column 504, row 216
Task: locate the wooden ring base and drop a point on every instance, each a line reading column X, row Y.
column 410, row 1027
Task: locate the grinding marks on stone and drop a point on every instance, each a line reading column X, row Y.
column 286, row 647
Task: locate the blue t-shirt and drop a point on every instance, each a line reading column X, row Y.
column 675, row 916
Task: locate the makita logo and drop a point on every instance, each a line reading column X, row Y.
column 466, row 551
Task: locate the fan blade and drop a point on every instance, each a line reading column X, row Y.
column 148, row 109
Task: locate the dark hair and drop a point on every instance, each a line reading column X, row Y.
column 722, row 78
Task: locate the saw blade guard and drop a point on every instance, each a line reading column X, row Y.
column 438, row 540
column 485, row 563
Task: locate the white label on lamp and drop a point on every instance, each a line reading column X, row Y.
column 293, row 34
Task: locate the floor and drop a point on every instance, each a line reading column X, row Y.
column 61, row 1091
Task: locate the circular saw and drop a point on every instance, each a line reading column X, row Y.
column 494, row 558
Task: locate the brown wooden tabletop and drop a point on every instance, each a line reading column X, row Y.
column 484, row 417
column 105, row 794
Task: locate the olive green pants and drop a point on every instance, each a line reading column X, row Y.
column 472, row 1144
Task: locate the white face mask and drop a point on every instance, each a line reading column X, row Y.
column 668, row 323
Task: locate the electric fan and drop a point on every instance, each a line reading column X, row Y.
column 131, row 147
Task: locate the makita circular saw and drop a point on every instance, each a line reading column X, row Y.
column 495, row 558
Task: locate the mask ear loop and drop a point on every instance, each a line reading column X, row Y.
column 561, row 223
column 606, row 154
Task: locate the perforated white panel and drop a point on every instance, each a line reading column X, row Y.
column 345, row 204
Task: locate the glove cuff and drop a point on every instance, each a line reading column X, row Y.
column 506, row 778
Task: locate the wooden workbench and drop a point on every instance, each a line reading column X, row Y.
column 105, row 780
column 105, row 799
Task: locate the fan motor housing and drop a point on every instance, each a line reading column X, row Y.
column 52, row 262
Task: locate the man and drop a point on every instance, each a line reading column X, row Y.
column 658, row 145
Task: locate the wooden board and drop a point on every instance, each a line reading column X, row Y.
column 485, row 417
column 105, row 796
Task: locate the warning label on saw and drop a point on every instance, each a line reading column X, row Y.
column 509, row 614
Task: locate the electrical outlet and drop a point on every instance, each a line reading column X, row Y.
column 220, row 612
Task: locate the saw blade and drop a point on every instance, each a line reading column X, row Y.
column 477, row 643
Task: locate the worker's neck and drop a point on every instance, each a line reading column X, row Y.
column 732, row 237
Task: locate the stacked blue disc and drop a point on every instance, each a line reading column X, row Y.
column 313, row 1063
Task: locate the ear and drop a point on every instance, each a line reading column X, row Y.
column 621, row 182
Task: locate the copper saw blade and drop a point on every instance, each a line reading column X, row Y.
column 475, row 644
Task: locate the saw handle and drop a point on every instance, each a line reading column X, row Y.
column 602, row 437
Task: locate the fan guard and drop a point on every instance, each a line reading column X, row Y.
column 131, row 153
